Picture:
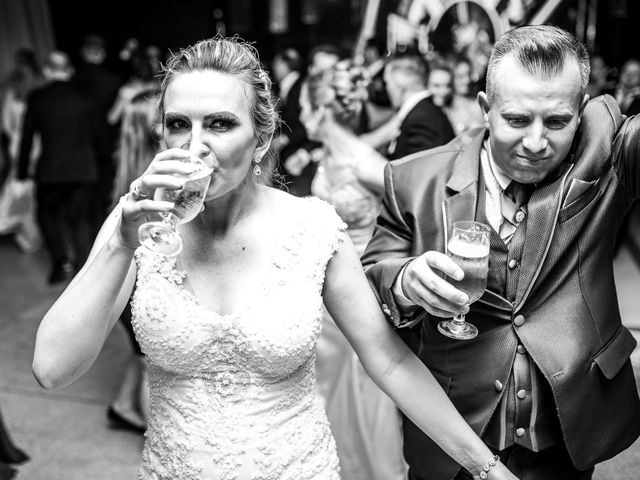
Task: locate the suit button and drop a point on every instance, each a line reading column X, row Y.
column 513, row 264
column 518, row 321
column 521, row 349
column 519, row 216
column 385, row 309
column 520, row 432
column 498, row 385
column 522, row 394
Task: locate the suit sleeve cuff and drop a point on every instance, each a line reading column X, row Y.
column 403, row 312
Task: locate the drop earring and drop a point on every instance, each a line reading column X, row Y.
column 257, row 170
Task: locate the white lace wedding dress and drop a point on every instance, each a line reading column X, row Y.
column 234, row 397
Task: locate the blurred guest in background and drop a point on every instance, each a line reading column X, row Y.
column 297, row 162
column 25, row 76
column 10, row 454
column 145, row 67
column 93, row 78
column 286, row 69
column 600, row 77
column 423, row 125
column 440, row 84
column 137, row 141
column 463, row 110
column 17, row 199
column 67, row 170
column 375, row 58
column 364, row 420
column 100, row 84
column 627, row 91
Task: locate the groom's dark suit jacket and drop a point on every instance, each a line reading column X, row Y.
column 565, row 311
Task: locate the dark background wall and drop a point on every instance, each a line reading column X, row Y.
column 172, row 24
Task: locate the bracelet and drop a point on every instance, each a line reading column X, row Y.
column 493, row 461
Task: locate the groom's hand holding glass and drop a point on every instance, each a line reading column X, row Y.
column 169, row 171
column 466, row 265
column 423, row 285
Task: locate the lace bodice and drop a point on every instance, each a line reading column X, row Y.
column 234, row 397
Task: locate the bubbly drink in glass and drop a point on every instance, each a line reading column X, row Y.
column 473, row 259
column 162, row 237
column 469, row 248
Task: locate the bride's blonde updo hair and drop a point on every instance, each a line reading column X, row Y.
column 237, row 57
column 342, row 89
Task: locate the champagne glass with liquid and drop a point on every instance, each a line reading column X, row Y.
column 469, row 248
column 161, row 236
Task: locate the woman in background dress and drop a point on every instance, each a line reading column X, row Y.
column 365, row 422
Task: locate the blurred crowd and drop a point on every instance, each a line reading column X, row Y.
column 75, row 133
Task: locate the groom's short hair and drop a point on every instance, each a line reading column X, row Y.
column 542, row 50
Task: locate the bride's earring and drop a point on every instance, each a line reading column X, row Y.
column 257, row 170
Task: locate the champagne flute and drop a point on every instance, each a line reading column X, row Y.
column 469, row 248
column 161, row 236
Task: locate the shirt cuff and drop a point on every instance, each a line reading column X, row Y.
column 401, row 299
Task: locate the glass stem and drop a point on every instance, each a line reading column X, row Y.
column 459, row 318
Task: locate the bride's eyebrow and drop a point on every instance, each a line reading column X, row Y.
column 168, row 117
column 223, row 114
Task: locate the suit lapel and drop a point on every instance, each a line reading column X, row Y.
column 462, row 187
column 539, row 234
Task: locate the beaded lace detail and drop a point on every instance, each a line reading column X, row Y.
column 234, row 397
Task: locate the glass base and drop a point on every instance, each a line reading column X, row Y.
column 458, row 330
column 158, row 237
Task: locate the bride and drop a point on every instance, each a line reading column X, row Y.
column 229, row 326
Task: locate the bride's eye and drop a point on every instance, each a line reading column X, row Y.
column 222, row 122
column 174, row 124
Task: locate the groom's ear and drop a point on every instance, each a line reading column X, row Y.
column 483, row 101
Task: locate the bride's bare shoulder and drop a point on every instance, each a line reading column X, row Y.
column 284, row 201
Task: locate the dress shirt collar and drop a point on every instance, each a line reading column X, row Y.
column 502, row 178
column 495, row 182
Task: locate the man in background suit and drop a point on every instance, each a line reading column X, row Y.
column 547, row 382
column 423, row 125
column 287, row 69
column 95, row 80
column 67, row 169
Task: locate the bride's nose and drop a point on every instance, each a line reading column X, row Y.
column 197, row 148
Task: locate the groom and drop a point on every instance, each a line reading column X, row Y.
column 548, row 382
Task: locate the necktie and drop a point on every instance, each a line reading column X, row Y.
column 518, row 193
column 514, row 197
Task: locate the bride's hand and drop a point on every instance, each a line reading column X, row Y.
column 163, row 172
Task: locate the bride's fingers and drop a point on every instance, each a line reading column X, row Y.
column 171, row 167
column 173, row 153
column 152, row 181
column 134, row 209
